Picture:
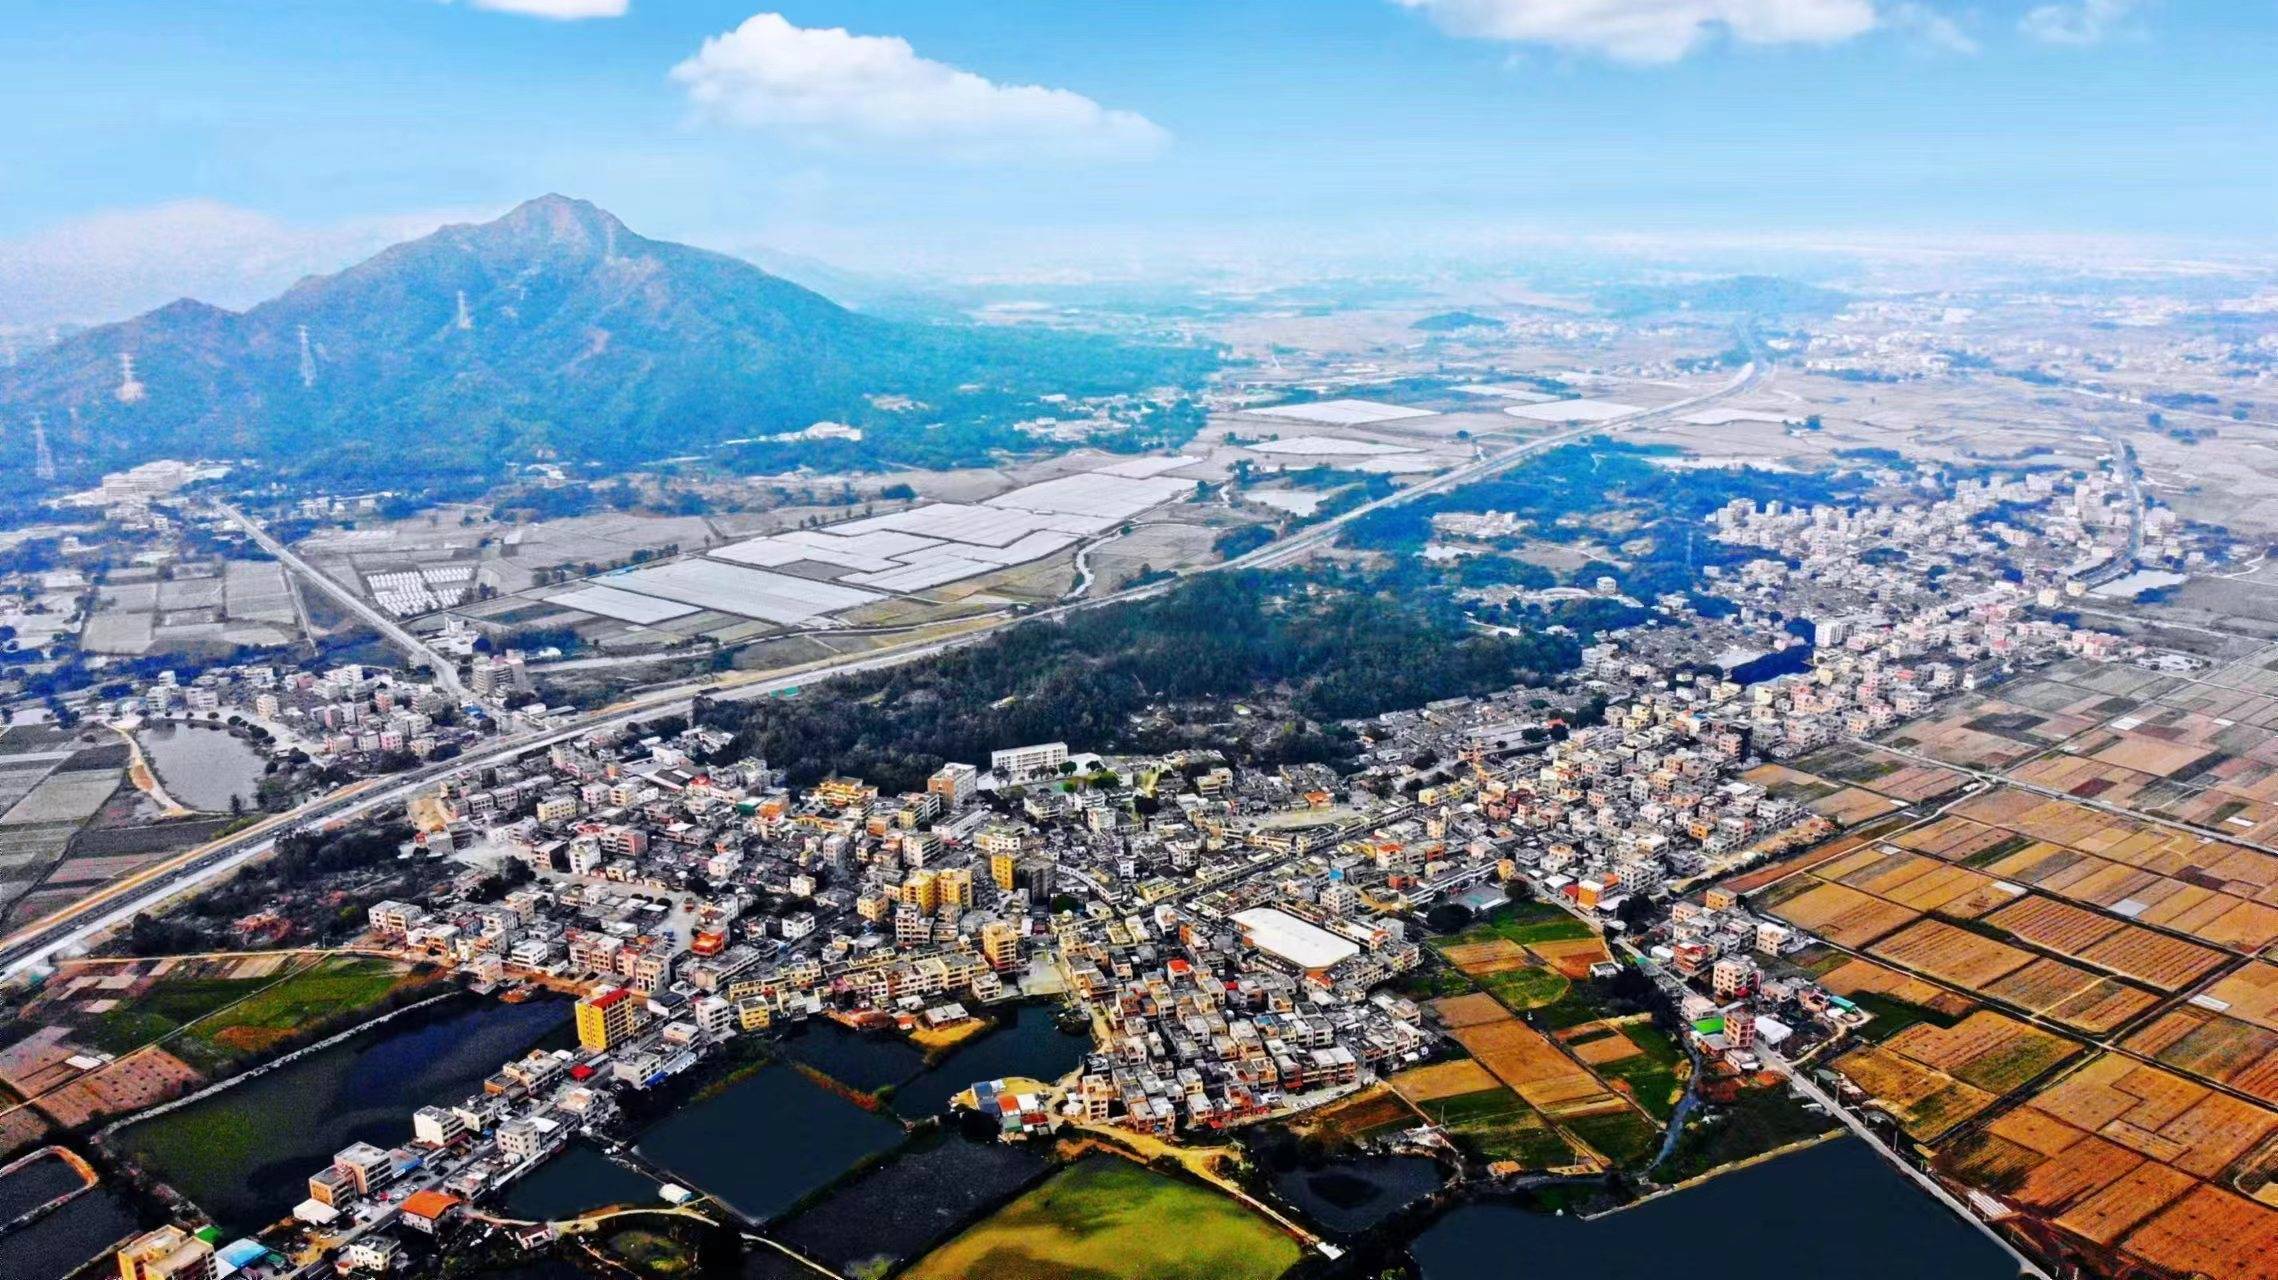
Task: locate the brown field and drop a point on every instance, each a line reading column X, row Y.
column 1926, row 1102
column 1842, row 915
column 2157, row 1113
column 1941, row 951
column 2250, row 993
column 2153, row 958
column 141, row 1079
column 1852, row 806
column 1951, row 839
column 1495, row 955
column 1614, row 1048
column 2214, row 1047
column 1815, row 856
column 1360, row 1114
column 1469, row 1011
column 2072, row 996
column 2211, row 1232
column 1442, row 1080
column 1574, row 956
column 1530, row 1065
column 1855, row 976
column 1986, row 1050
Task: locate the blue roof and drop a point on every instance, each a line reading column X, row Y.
column 242, row 1253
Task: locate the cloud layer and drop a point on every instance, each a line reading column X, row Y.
column 2081, row 22
column 828, row 85
column 1650, row 31
column 558, row 10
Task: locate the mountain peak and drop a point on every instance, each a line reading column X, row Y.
column 561, row 221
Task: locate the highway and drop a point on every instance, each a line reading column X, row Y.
column 446, row 669
column 72, row 928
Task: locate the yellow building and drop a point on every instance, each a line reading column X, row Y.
column 169, row 1253
column 922, row 889
column 1000, row 945
column 953, row 886
column 1004, row 868
column 608, row 1019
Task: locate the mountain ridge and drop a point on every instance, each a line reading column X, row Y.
column 553, row 331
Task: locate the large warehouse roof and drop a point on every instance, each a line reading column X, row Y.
column 1308, row 946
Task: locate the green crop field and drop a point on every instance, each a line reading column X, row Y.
column 1106, row 1219
column 320, row 994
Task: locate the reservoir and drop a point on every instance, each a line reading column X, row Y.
column 68, row 1239
column 202, row 766
column 1836, row 1209
column 245, row 1154
column 576, row 1180
column 1030, row 1044
column 766, row 1140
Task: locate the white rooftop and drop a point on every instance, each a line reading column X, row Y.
column 1308, row 946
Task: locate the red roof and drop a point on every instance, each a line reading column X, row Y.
column 609, row 997
column 430, row 1204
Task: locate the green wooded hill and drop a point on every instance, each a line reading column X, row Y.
column 553, row 331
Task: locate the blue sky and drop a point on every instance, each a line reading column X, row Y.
column 212, row 147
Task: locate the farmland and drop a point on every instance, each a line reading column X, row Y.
column 1105, row 1217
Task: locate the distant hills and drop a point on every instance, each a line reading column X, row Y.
column 1765, row 296
column 1455, row 321
column 552, row 332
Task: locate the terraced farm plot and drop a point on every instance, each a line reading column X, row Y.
column 1957, row 956
column 1926, row 1102
column 1499, row 1126
column 2214, row 1047
column 1442, row 1080
column 2149, row 957
column 1986, row 1050
column 2131, row 1157
column 1360, row 1116
column 1841, row 914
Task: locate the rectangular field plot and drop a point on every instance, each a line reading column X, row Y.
column 624, row 606
column 747, row 593
column 1573, row 410
column 1339, row 413
column 2214, row 1047
column 1841, row 914
column 2131, row 1157
column 2149, row 957
column 1101, row 500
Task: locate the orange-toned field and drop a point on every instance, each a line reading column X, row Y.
column 2132, row 1157
column 1925, row 1101
column 1842, row 915
column 1442, row 1080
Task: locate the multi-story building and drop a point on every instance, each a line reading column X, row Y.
column 607, row 1019
column 169, row 1253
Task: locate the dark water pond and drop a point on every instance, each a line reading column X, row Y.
column 202, row 766
column 245, row 1154
column 1833, row 1210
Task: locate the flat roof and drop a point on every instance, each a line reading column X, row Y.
column 1278, row 933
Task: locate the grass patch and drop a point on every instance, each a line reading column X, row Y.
column 1524, row 989
column 1107, row 1218
column 1623, row 1137
column 1757, row 1121
column 319, row 995
column 1651, row 1076
column 1498, row 1125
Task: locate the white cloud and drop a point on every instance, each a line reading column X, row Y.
column 2079, row 22
column 109, row 265
column 558, row 10
column 1930, row 27
column 828, row 85
column 1650, row 31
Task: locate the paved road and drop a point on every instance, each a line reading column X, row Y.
column 446, row 669
column 74, row 926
